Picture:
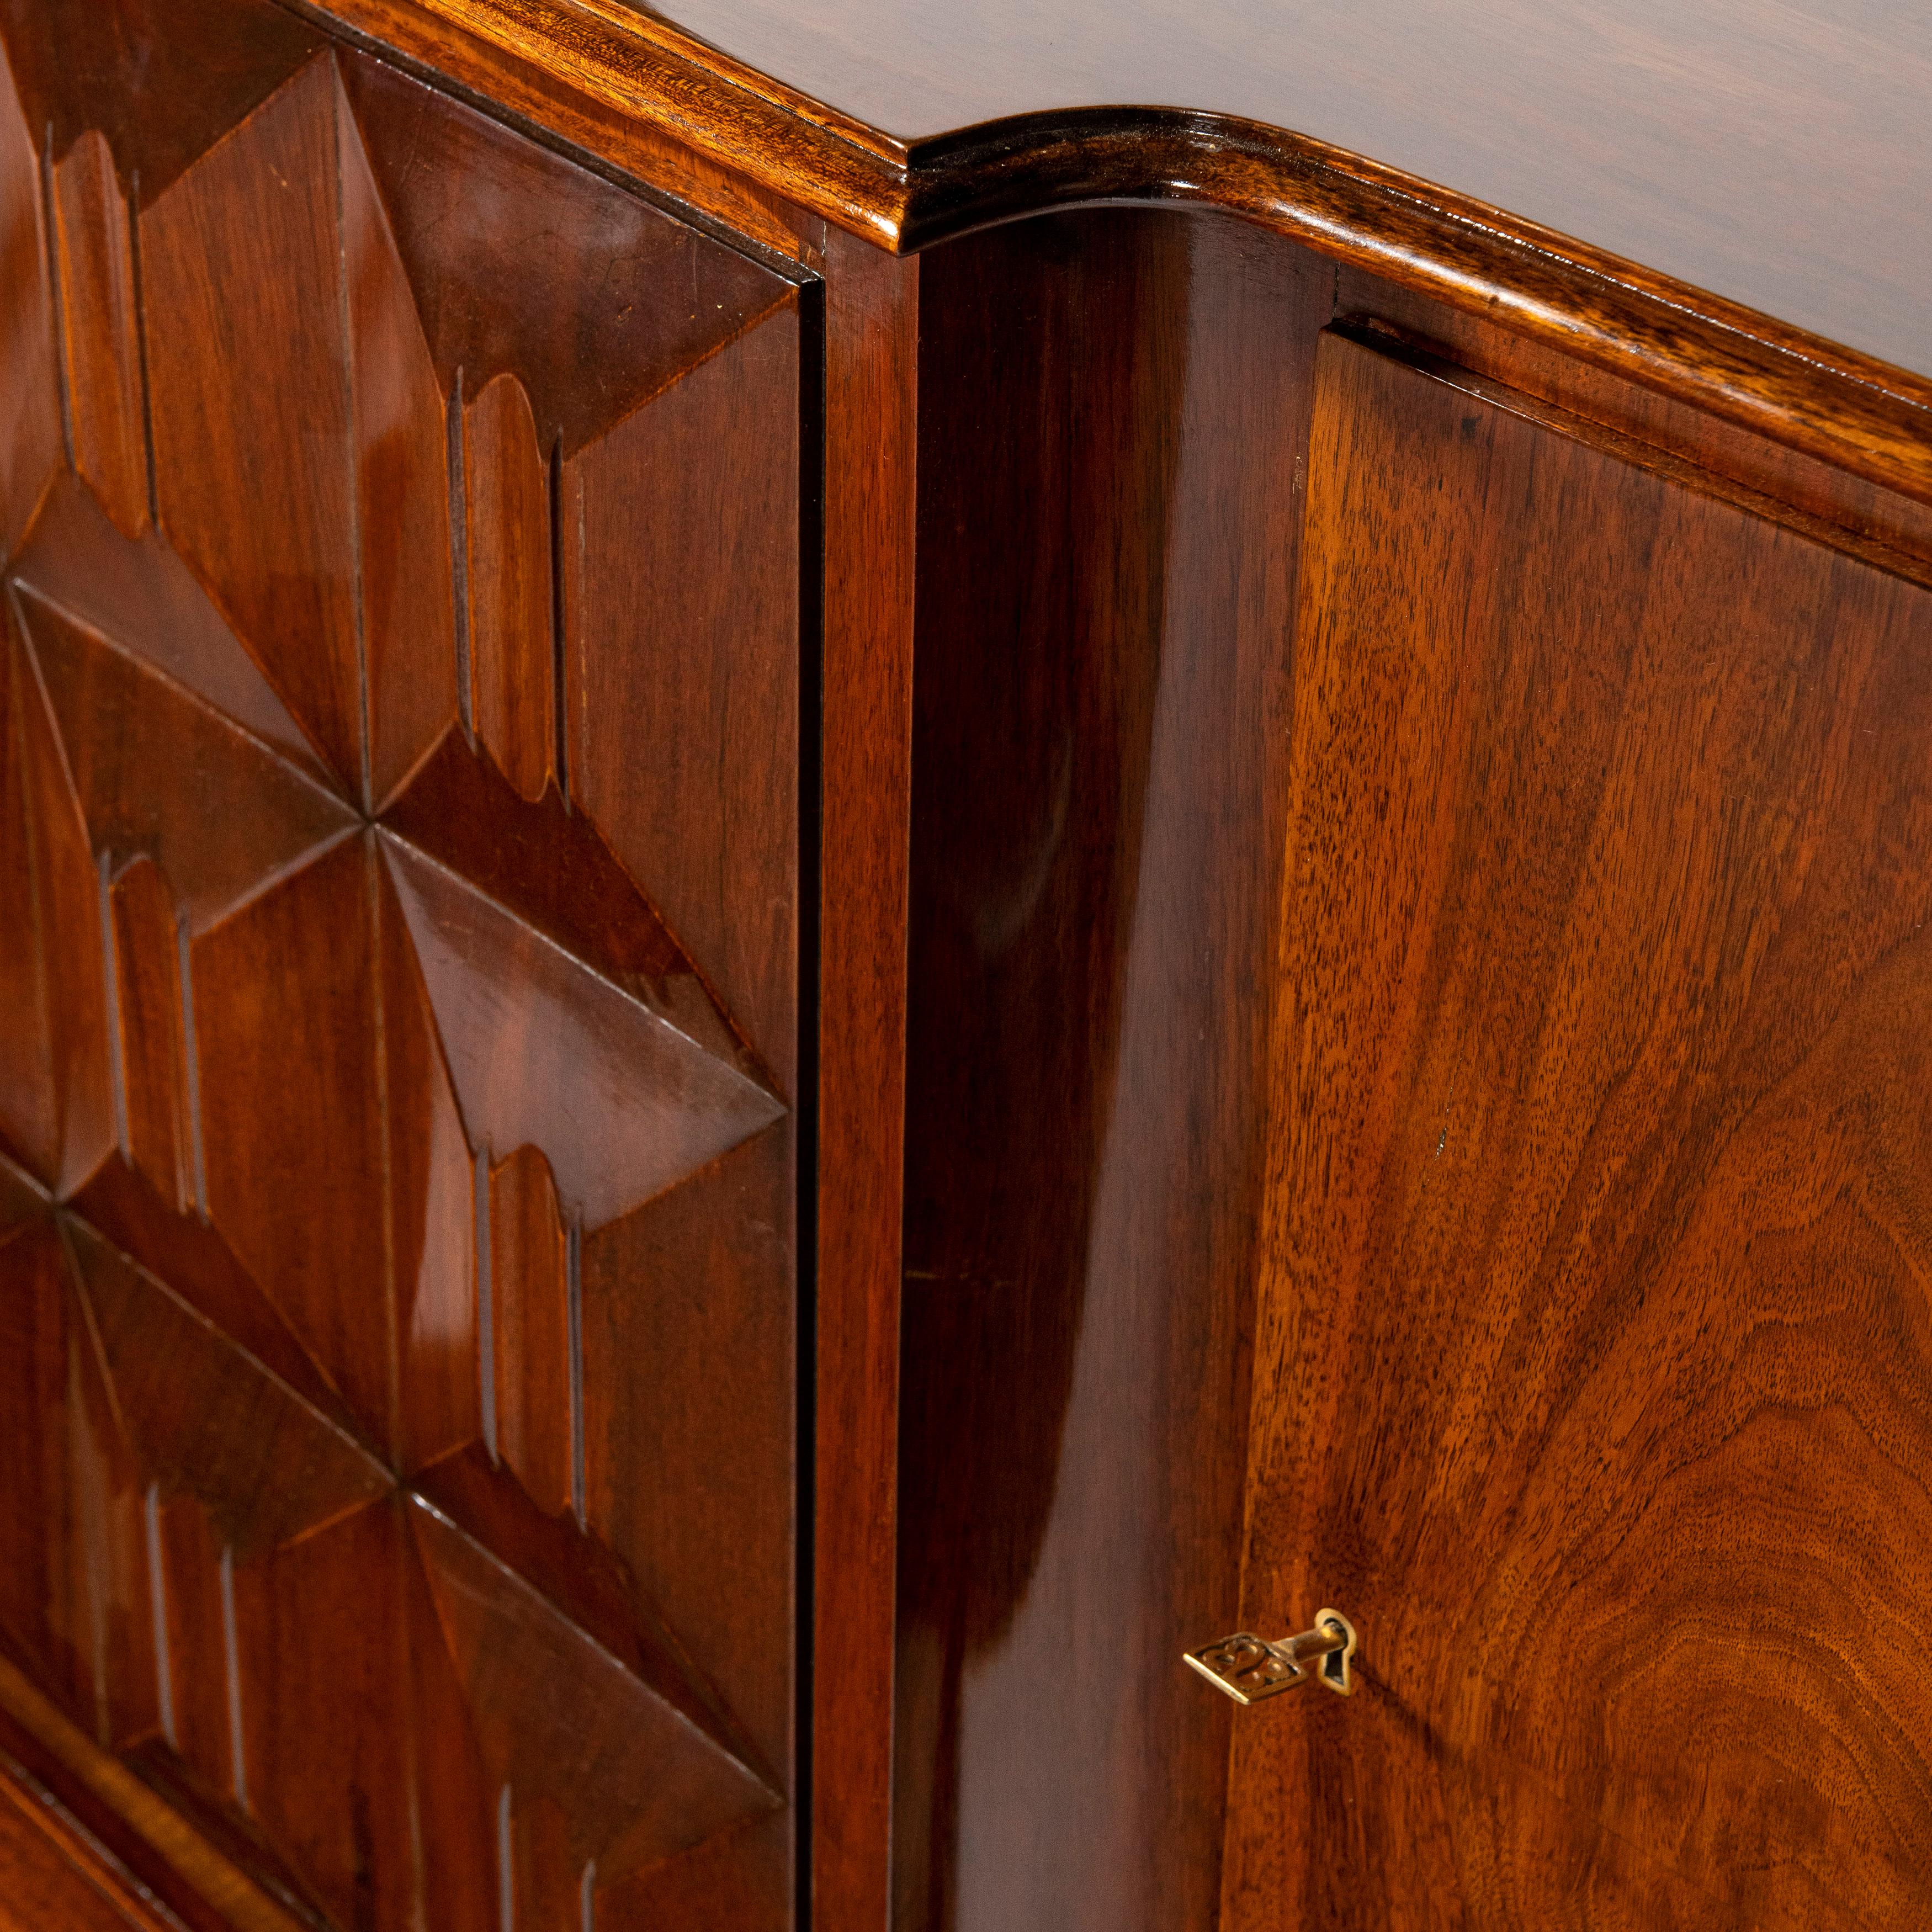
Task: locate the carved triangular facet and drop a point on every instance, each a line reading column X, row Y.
column 101, row 312
column 550, row 866
column 613, row 1772
column 545, row 1052
column 208, row 1418
column 141, row 596
column 402, row 483
column 30, row 424
column 287, row 1026
column 160, row 772
column 242, row 271
column 56, row 1090
column 185, row 1252
column 73, row 1560
column 170, row 78
column 667, row 605
column 654, row 295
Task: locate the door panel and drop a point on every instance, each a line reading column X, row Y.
column 398, row 846
column 1592, row 1357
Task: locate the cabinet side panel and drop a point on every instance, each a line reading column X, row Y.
column 1112, row 417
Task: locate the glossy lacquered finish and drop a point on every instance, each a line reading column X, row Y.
column 1108, row 519
column 400, row 844
column 1117, row 748
column 794, row 970
column 870, row 478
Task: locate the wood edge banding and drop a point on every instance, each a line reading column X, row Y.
column 214, row 1878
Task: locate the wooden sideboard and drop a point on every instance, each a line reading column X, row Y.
column 838, row 891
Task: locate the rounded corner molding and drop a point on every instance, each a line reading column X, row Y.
column 1763, row 374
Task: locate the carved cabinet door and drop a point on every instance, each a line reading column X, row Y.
column 399, row 873
column 1594, row 1363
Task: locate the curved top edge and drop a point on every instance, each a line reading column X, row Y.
column 1000, row 170
column 1840, row 403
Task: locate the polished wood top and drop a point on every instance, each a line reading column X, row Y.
column 1778, row 152
column 1734, row 209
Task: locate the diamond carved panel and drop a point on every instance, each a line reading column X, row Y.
column 383, row 1165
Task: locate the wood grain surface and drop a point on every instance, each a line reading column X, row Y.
column 870, row 480
column 135, row 1845
column 738, row 1063
column 1592, row 1358
column 53, row 1879
column 1109, row 507
column 666, row 158
column 399, row 844
column 1544, row 372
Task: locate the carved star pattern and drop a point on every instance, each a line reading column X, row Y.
column 293, row 1369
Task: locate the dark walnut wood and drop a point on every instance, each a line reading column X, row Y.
column 1108, row 526
column 870, row 477
column 1772, row 468
column 400, row 853
column 128, row 1841
column 812, row 929
column 1108, row 739
column 1591, row 1369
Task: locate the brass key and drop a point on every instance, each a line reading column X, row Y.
column 1249, row 1668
